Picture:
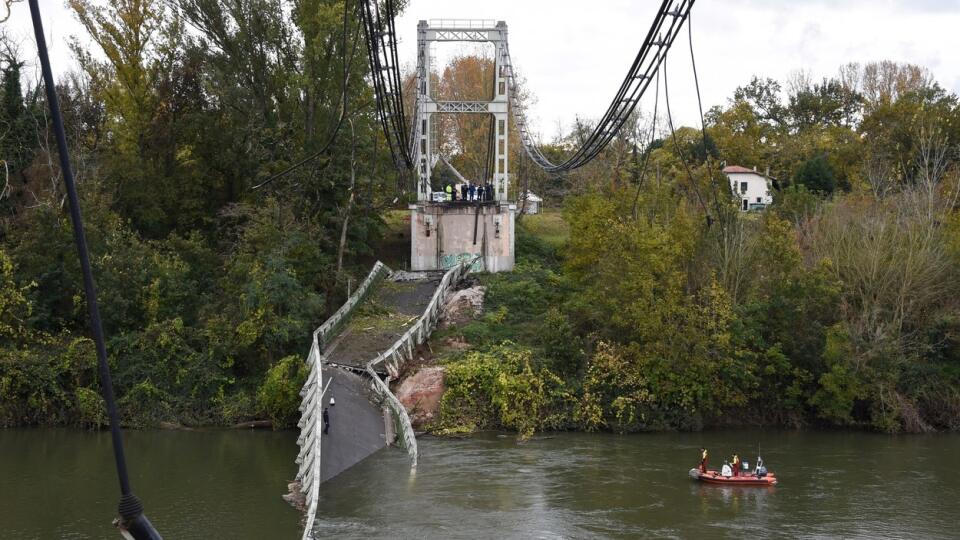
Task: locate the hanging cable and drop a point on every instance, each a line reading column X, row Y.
column 379, row 26
column 343, row 102
column 381, row 40
column 132, row 520
column 667, row 24
column 676, row 144
column 488, row 165
column 703, row 124
column 646, row 157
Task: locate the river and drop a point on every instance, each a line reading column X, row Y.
column 227, row 484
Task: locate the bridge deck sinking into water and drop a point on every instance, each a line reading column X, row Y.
column 354, row 356
column 359, row 425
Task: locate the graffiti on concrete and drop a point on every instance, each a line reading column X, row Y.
column 449, row 261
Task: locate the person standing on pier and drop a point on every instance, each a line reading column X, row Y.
column 473, row 192
column 480, row 193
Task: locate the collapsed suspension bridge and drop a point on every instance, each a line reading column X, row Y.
column 351, row 368
column 358, row 364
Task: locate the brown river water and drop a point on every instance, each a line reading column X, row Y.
column 57, row 483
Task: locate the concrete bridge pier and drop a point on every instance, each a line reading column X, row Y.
column 444, row 234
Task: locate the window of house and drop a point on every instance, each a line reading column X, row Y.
column 759, row 200
column 743, row 187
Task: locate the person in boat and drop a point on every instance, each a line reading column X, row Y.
column 736, row 465
column 703, row 460
column 761, row 469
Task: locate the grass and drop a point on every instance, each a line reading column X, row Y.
column 517, row 302
column 548, row 226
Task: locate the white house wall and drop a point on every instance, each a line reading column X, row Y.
column 758, row 188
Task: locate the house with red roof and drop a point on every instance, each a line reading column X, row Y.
column 750, row 188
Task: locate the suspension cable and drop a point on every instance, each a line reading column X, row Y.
column 658, row 41
column 646, row 157
column 343, row 103
column 379, row 26
column 380, row 34
column 703, row 124
column 132, row 519
column 676, row 144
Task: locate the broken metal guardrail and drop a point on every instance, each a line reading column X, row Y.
column 310, row 424
column 403, row 349
column 391, row 360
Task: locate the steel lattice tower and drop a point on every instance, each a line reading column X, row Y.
column 425, row 153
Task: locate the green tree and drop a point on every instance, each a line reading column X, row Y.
column 816, row 175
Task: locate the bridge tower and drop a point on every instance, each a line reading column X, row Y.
column 445, row 232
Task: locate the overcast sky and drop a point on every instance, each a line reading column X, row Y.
column 575, row 53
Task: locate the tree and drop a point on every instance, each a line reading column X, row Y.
column 816, row 175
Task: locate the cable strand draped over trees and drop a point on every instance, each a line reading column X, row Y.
column 648, row 150
column 680, row 156
column 342, row 108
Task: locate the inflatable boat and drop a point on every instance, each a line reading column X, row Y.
column 745, row 479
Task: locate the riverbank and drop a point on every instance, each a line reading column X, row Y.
column 572, row 341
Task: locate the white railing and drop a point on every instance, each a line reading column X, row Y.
column 463, row 24
column 310, row 424
column 308, row 459
column 308, row 473
column 332, row 325
column 392, row 359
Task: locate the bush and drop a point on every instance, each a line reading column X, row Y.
column 502, row 388
column 30, row 389
column 145, row 405
column 840, row 387
column 91, row 409
column 278, row 398
column 562, row 347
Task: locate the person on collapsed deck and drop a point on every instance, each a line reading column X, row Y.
column 703, row 460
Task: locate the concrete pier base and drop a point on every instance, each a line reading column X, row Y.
column 443, row 234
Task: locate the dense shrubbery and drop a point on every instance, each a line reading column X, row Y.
column 208, row 288
column 663, row 307
column 502, row 388
column 669, row 309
